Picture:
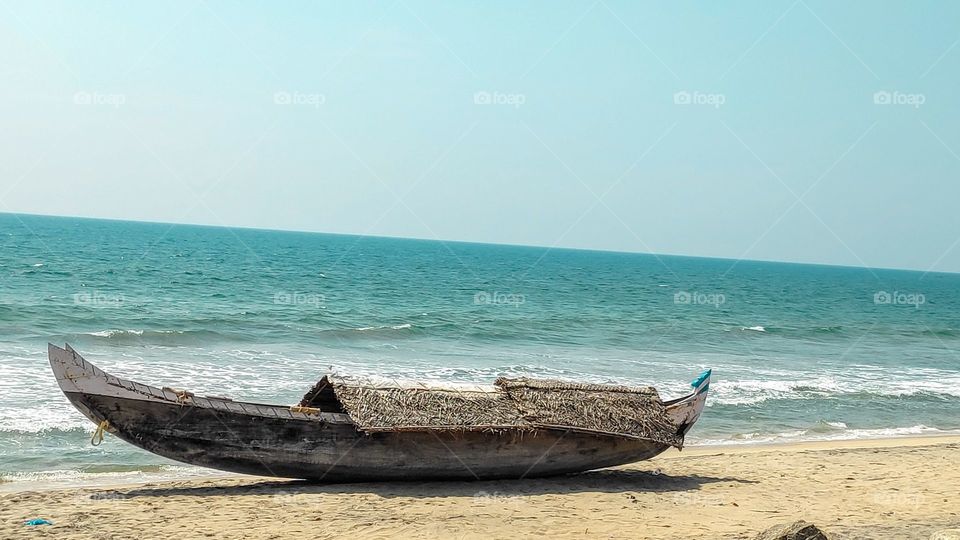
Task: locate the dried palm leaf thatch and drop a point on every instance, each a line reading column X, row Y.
column 396, row 408
column 513, row 404
column 615, row 410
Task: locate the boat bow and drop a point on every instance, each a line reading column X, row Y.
column 686, row 410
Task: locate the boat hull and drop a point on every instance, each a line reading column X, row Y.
column 276, row 441
column 337, row 452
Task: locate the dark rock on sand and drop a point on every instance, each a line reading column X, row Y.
column 798, row 530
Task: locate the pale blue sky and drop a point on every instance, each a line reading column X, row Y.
column 179, row 112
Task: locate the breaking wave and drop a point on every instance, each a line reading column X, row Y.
column 814, row 434
column 157, row 337
column 755, row 391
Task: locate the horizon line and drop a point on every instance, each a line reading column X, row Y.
column 473, row 242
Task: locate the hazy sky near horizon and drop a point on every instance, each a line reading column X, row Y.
column 804, row 130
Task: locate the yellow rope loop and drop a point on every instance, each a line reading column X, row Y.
column 97, row 438
column 182, row 396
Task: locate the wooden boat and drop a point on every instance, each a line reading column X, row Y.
column 319, row 440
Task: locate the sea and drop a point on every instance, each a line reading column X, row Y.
column 799, row 352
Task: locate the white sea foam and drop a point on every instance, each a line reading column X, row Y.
column 396, row 327
column 113, row 333
column 403, row 382
column 66, row 478
column 906, row 384
column 813, row 435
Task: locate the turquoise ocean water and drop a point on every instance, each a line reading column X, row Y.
column 799, row 352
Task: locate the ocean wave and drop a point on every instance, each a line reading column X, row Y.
column 835, row 329
column 755, row 391
column 54, row 420
column 368, row 332
column 940, row 332
column 396, row 327
column 112, row 333
column 59, row 428
column 43, row 270
column 466, row 376
column 102, row 475
column 813, row 434
column 794, row 331
column 156, row 337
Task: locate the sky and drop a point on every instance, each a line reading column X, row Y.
column 802, row 130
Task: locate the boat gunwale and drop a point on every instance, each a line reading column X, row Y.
column 187, row 399
column 169, row 396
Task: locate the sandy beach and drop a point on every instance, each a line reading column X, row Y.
column 891, row 488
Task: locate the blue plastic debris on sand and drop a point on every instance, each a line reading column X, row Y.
column 40, row 521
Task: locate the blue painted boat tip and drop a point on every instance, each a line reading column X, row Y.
column 702, row 377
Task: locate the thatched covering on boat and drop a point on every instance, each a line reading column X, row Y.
column 617, row 410
column 520, row 404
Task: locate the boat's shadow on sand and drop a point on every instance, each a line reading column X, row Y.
column 605, row 481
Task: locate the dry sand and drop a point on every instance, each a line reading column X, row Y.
column 899, row 488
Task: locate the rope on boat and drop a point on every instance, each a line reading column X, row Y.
column 183, row 396
column 97, row 438
column 305, row 410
